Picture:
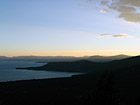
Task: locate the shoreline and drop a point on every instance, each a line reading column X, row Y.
column 43, row 78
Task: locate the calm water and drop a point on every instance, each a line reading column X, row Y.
column 9, row 73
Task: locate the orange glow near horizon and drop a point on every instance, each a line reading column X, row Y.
column 72, row 53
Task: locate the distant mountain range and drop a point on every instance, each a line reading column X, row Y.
column 45, row 59
column 98, row 58
column 40, row 58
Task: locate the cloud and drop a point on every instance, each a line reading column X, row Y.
column 129, row 22
column 104, row 2
column 122, row 35
column 106, row 35
column 117, row 36
column 128, row 10
column 104, row 11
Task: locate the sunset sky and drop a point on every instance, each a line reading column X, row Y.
column 69, row 27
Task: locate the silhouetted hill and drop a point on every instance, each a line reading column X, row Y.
column 88, row 66
column 77, row 66
column 125, row 63
column 98, row 58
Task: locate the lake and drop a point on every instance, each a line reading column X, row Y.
column 9, row 73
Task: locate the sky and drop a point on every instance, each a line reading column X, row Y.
column 69, row 27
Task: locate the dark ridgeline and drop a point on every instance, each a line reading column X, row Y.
column 77, row 66
column 97, row 58
column 88, row 66
column 111, row 83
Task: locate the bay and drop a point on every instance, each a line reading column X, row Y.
column 9, row 73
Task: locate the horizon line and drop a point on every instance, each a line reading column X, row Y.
column 67, row 55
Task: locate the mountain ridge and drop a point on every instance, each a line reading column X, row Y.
column 44, row 59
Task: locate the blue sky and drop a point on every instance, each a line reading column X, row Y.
column 69, row 28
